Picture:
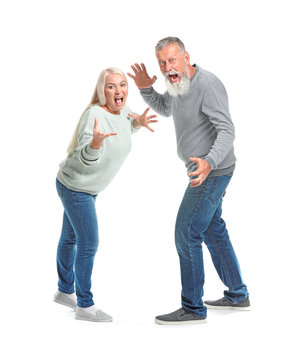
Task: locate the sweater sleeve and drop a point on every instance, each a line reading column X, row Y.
column 86, row 154
column 129, row 111
column 162, row 104
column 215, row 106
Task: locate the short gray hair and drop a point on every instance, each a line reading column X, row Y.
column 170, row 40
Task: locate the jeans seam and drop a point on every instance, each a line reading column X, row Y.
column 221, row 258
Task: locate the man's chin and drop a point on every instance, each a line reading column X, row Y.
column 180, row 87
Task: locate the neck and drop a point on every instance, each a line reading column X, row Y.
column 192, row 71
column 110, row 111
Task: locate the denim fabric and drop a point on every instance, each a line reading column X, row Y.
column 77, row 244
column 199, row 220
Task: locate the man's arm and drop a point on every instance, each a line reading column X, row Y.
column 215, row 106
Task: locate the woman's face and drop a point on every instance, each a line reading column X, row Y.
column 115, row 91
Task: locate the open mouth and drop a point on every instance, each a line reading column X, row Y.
column 174, row 77
column 118, row 101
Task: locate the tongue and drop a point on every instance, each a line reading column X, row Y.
column 118, row 101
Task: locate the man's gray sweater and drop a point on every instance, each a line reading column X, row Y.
column 202, row 121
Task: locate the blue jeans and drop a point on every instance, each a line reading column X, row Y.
column 77, row 244
column 199, row 220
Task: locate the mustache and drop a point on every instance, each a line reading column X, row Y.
column 172, row 72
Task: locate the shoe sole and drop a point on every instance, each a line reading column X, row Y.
column 162, row 322
column 65, row 304
column 78, row 317
column 235, row 308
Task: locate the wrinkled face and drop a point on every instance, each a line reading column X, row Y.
column 173, row 63
column 115, row 92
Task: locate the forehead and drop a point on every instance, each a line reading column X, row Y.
column 169, row 51
column 114, row 78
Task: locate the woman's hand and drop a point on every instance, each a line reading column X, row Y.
column 141, row 78
column 98, row 136
column 143, row 120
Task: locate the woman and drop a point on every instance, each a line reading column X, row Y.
column 100, row 144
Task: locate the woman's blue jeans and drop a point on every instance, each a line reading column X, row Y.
column 77, row 244
column 199, row 220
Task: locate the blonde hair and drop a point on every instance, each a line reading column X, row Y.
column 98, row 98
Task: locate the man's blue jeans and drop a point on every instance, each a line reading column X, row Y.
column 77, row 244
column 199, row 219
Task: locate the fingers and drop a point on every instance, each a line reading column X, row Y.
column 195, row 173
column 108, row 135
column 196, row 182
column 154, row 78
column 95, row 123
column 146, row 111
column 138, row 67
column 134, row 69
column 131, row 76
column 195, row 159
column 148, row 127
column 152, row 116
column 152, row 121
column 132, row 115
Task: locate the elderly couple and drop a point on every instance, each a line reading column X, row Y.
column 198, row 102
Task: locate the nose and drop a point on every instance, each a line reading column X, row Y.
column 168, row 67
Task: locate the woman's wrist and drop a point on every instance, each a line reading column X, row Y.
column 95, row 145
column 136, row 124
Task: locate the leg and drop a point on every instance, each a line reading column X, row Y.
column 224, row 258
column 65, row 257
column 80, row 210
column 194, row 217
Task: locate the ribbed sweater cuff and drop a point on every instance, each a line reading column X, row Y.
column 92, row 154
column 210, row 161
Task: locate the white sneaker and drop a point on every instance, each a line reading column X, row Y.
column 66, row 299
column 91, row 313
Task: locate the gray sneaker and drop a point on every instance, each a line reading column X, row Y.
column 179, row 317
column 97, row 316
column 65, row 299
column 225, row 304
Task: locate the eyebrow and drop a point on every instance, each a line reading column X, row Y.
column 110, row 83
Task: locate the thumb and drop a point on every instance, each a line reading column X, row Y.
column 154, row 78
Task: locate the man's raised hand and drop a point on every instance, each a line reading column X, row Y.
column 141, row 78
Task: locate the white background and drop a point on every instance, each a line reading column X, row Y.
column 52, row 53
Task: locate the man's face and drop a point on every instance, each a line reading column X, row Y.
column 173, row 63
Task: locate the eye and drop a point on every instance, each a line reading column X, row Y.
column 162, row 63
column 123, row 85
column 172, row 60
column 110, row 87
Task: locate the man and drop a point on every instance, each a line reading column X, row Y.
column 205, row 133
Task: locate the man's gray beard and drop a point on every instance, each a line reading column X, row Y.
column 180, row 88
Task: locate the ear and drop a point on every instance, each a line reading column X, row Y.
column 187, row 58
